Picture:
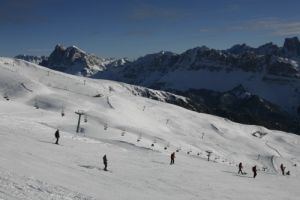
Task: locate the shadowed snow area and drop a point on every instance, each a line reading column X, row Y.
column 137, row 135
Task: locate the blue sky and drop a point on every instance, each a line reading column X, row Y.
column 132, row 28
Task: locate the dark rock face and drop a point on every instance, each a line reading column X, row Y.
column 267, row 49
column 240, row 106
column 283, row 67
column 291, row 47
column 240, row 49
column 268, row 58
column 62, row 59
column 137, row 71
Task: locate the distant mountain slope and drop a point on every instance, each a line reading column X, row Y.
column 73, row 60
column 32, row 59
column 269, row 72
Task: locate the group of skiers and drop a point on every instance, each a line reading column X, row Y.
column 282, row 168
column 254, row 169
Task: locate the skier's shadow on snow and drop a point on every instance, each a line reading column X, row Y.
column 243, row 176
column 90, row 167
column 94, row 167
column 239, row 175
column 48, row 142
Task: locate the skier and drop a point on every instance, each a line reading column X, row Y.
column 282, row 169
column 172, row 158
column 240, row 168
column 57, row 136
column 105, row 162
column 254, row 171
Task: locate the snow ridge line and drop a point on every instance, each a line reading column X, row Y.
column 274, row 149
column 26, row 88
column 108, row 102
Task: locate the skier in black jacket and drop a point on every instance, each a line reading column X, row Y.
column 172, row 158
column 254, row 171
column 282, row 169
column 57, row 136
column 105, row 162
column 240, row 168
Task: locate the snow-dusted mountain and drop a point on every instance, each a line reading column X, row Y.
column 268, row 72
column 73, row 60
column 138, row 135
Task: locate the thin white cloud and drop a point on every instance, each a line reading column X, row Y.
column 273, row 25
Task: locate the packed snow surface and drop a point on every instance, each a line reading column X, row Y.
column 137, row 135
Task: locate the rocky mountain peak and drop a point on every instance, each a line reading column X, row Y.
column 292, row 46
column 59, row 47
column 267, row 49
column 240, row 49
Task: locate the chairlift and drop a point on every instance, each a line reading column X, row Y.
column 85, row 118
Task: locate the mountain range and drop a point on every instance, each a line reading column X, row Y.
column 245, row 84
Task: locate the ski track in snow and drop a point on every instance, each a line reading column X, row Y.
column 15, row 187
column 274, row 149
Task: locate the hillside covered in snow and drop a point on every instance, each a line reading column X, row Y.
column 138, row 135
column 267, row 77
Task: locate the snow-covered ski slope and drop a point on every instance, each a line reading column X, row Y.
column 32, row 167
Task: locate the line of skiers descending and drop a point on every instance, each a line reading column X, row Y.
column 254, row 170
